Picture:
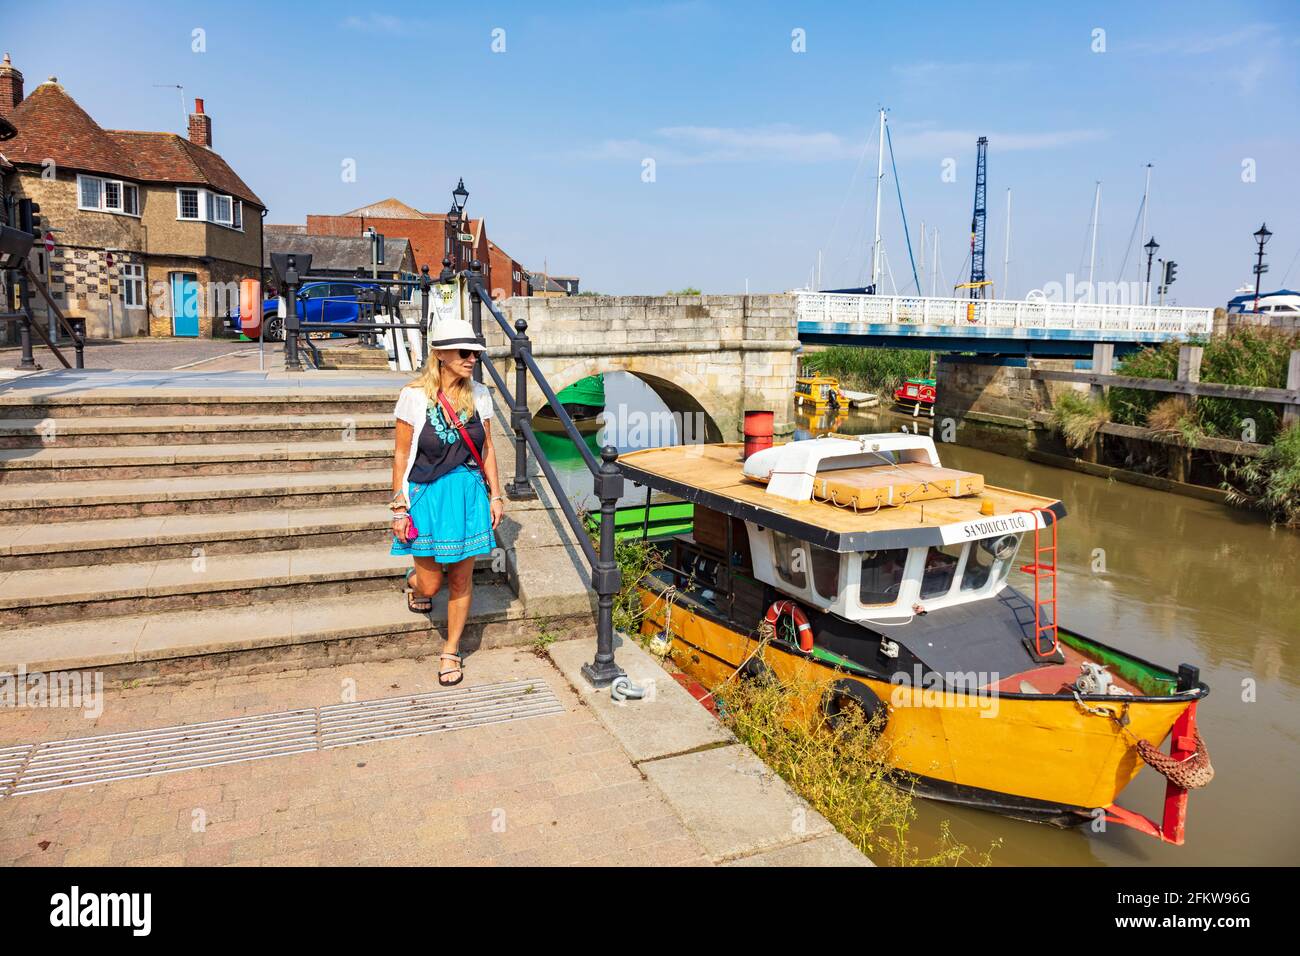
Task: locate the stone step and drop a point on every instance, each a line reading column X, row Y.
column 126, row 431
column 294, row 631
column 354, row 358
column 127, row 465
column 50, row 595
column 190, row 404
column 121, row 540
column 35, row 503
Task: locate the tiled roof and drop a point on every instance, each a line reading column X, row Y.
column 387, row 209
column 336, row 253
column 52, row 126
column 168, row 158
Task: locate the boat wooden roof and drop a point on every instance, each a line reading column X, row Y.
column 711, row 475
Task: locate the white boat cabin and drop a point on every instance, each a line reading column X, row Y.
column 894, row 570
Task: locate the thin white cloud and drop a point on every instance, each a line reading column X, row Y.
column 1199, row 44
column 937, row 69
column 782, row 143
column 377, row 23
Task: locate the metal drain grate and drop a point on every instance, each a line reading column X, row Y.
column 59, row 764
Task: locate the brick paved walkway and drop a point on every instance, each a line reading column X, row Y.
column 554, row 790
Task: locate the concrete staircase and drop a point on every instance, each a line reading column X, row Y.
column 149, row 533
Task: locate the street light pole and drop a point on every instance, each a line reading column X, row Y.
column 1151, row 248
column 1262, row 235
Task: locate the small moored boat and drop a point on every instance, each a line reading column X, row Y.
column 864, row 562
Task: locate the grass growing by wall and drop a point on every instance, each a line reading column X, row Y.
column 873, row 370
column 840, row 769
column 1248, row 355
column 1270, row 483
column 1078, row 418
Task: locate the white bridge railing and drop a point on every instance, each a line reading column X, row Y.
column 850, row 309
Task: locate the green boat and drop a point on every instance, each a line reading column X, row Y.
column 585, row 398
column 666, row 518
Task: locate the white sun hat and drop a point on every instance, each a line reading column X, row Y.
column 454, row 334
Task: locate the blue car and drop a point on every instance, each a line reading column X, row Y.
column 334, row 301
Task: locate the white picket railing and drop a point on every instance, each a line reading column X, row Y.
column 900, row 310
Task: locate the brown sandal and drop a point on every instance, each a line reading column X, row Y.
column 458, row 670
column 412, row 599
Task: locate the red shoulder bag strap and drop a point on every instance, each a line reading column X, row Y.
column 455, row 419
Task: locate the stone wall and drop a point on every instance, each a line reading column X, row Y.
column 720, row 354
column 1005, row 390
column 1225, row 322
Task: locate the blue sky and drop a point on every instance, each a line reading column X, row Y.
column 757, row 148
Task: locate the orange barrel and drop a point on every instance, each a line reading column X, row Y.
column 250, row 307
column 758, row 431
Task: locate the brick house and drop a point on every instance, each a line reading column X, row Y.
column 427, row 232
column 153, row 231
column 508, row 277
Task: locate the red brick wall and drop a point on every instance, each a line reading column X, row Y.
column 427, row 236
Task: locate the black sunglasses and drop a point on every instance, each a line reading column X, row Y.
column 466, row 353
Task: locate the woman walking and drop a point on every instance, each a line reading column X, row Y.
column 447, row 498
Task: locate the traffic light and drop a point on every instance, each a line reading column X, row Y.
column 1171, row 271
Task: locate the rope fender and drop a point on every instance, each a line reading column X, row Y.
column 1191, row 772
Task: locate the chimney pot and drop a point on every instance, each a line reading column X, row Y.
column 200, row 128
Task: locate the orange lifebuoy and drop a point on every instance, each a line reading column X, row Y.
column 800, row 621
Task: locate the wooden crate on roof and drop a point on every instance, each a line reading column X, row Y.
column 891, row 486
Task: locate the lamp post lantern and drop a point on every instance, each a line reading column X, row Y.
column 1151, row 248
column 1262, row 236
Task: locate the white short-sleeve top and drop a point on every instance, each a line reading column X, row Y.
column 413, row 408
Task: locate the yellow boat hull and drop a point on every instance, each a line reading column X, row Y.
column 1042, row 757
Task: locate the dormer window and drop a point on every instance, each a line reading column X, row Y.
column 97, row 194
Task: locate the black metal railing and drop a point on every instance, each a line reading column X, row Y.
column 607, row 480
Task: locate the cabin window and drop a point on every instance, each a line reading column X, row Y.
column 882, row 575
column 940, row 570
column 990, row 559
column 826, row 571
column 790, row 556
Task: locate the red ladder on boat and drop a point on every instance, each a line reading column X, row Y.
column 1043, row 569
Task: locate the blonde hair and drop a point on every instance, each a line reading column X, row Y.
column 461, row 393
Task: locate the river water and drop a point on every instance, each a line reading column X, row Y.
column 1174, row 580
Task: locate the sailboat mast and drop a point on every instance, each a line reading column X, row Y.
column 920, row 290
column 934, row 274
column 880, row 177
column 1006, row 255
column 1092, row 256
column 1146, row 196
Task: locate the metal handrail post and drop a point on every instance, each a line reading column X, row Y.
column 289, row 296
column 425, row 285
column 519, row 487
column 605, row 576
column 476, row 308
column 26, row 360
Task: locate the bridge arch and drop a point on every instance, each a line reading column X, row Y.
column 704, row 414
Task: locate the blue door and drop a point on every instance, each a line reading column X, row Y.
column 185, row 304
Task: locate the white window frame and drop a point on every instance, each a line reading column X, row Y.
column 132, row 277
column 104, row 183
column 208, row 201
column 198, row 204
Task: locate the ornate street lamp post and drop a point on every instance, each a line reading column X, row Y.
column 1262, row 236
column 1151, row 248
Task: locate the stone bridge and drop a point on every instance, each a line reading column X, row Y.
column 716, row 354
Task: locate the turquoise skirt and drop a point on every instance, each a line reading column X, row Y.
column 452, row 516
